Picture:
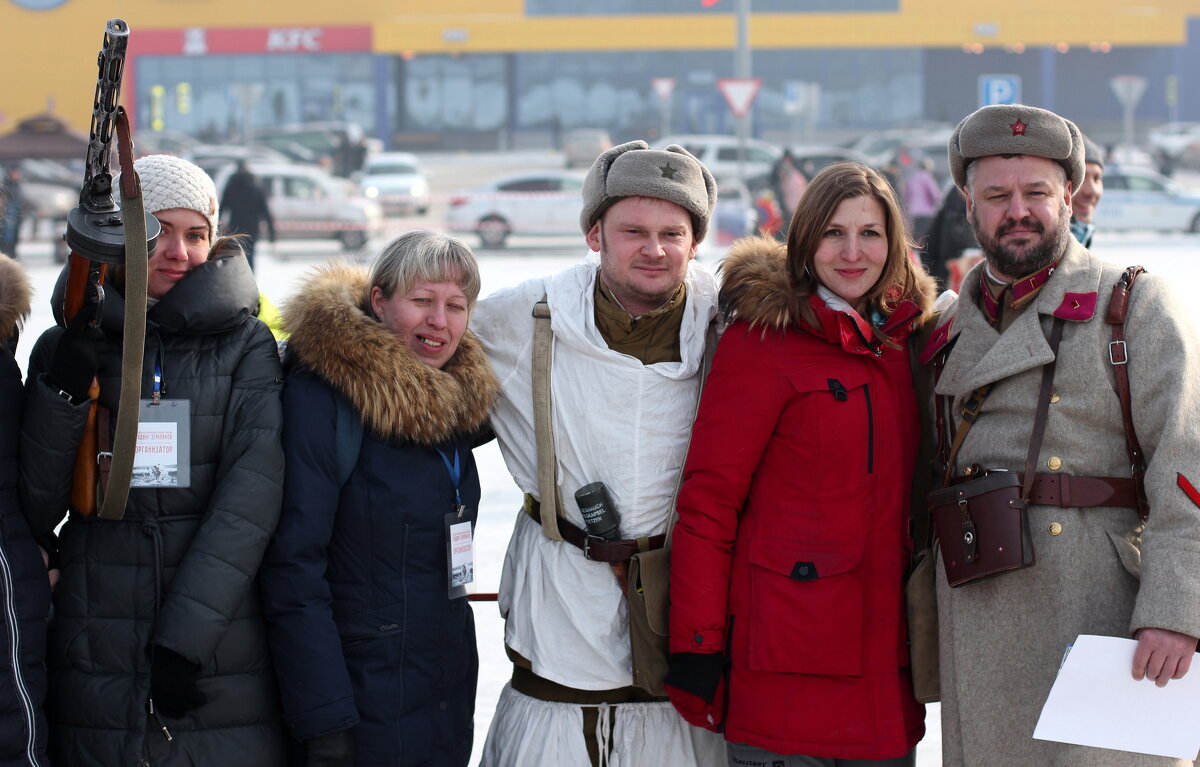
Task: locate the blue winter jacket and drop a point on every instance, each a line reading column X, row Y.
column 355, row 580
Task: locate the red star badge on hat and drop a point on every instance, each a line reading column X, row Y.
column 1018, row 128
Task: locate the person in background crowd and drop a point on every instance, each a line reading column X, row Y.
column 628, row 346
column 246, row 208
column 25, row 586
column 788, row 182
column 373, row 639
column 157, row 651
column 950, row 235
column 1087, row 196
column 12, row 212
column 921, row 195
column 1100, row 568
column 787, row 573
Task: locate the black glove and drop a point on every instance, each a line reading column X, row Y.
column 697, row 673
column 76, row 358
column 335, row 749
column 173, row 682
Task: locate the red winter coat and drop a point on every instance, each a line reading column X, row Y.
column 792, row 540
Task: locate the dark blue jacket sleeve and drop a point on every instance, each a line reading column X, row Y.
column 317, row 695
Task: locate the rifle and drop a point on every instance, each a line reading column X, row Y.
column 96, row 235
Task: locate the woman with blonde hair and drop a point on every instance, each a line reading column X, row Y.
column 787, row 610
column 371, row 633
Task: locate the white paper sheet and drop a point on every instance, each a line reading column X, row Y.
column 1096, row 702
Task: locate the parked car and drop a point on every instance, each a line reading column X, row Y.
column 812, row 158
column 343, row 146
column 213, row 157
column 720, row 153
column 396, row 181
column 309, row 203
column 1173, row 138
column 881, row 146
column 1141, row 199
column 582, row 145
column 735, row 217
column 546, row 202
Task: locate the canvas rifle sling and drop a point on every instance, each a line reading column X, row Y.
column 134, row 334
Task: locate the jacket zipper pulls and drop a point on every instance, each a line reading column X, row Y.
column 154, row 713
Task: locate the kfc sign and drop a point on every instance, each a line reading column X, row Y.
column 294, row 39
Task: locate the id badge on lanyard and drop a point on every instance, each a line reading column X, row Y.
column 460, row 539
column 163, row 454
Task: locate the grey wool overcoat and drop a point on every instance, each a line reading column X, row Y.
column 1098, row 570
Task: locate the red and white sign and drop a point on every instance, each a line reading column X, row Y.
column 664, row 87
column 739, row 93
column 199, row 41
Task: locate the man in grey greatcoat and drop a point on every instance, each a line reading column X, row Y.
column 1099, row 569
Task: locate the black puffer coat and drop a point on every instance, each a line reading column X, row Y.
column 179, row 569
column 355, row 580
column 24, row 588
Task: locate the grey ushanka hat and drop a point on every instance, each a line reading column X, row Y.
column 1092, row 152
column 635, row 170
column 1016, row 129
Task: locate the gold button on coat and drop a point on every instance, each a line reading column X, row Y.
column 1055, row 528
column 1055, row 463
column 1054, row 398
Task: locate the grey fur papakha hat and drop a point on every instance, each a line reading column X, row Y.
column 635, row 170
column 1016, row 130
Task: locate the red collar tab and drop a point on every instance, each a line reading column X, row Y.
column 1025, row 288
column 1188, row 489
column 991, row 305
column 936, row 341
column 1018, row 128
column 1078, row 307
column 900, row 318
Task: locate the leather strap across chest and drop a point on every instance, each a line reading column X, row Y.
column 1063, row 489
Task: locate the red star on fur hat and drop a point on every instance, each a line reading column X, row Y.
column 1018, row 128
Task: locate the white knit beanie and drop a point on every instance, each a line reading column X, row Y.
column 172, row 182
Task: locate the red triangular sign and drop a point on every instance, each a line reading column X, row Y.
column 739, row 93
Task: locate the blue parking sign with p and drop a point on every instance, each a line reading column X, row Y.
column 999, row 89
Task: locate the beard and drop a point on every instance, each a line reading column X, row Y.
column 1016, row 261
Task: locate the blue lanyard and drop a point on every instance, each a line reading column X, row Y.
column 455, row 473
column 156, row 396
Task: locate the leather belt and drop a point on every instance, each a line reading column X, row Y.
column 1081, row 492
column 594, row 548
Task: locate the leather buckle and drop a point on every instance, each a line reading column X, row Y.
column 587, row 546
column 1112, row 353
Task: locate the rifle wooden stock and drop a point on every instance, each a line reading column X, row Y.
column 80, row 272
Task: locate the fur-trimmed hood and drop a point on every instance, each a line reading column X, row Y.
column 755, row 286
column 14, row 296
column 399, row 397
column 757, row 289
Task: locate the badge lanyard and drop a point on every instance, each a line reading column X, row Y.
column 162, row 455
column 460, row 545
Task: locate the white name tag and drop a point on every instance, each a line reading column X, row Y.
column 162, row 455
column 460, row 555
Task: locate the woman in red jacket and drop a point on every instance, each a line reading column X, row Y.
column 787, row 613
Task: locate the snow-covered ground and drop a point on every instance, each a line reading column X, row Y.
column 1176, row 256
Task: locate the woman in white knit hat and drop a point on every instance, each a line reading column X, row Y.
column 157, row 651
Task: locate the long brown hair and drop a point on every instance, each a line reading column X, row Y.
column 901, row 280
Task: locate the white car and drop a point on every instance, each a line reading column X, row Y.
column 308, row 203
column 720, row 153
column 1141, row 199
column 545, row 202
column 396, row 181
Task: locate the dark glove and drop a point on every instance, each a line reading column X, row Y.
column 335, row 749
column 173, row 683
column 695, row 683
column 76, row 358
